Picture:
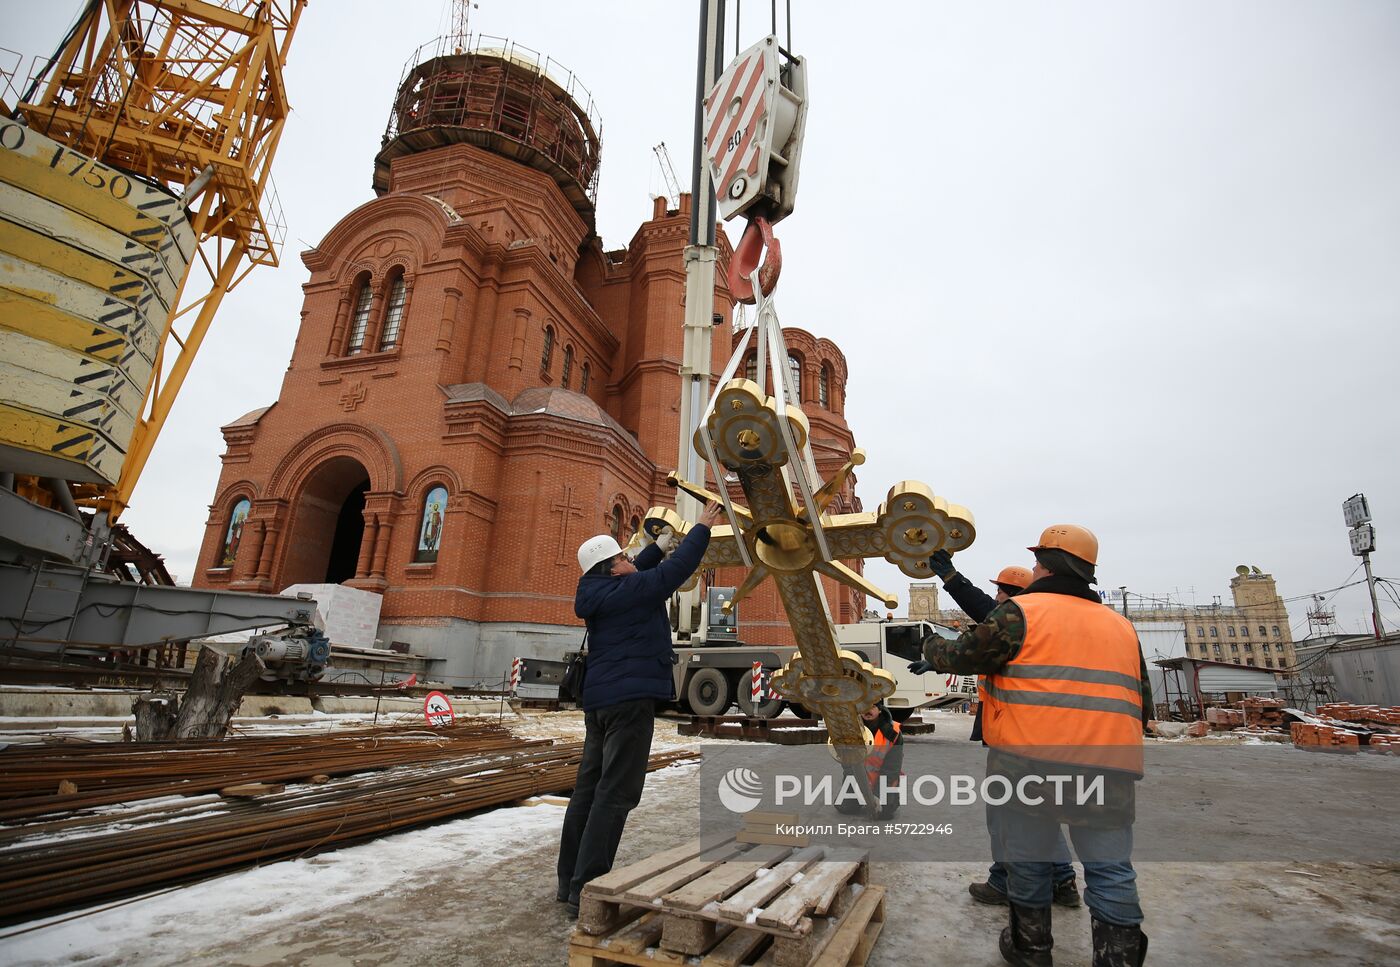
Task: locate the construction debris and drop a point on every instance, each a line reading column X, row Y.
column 1337, row 727
column 61, row 852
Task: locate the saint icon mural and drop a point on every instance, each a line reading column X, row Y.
column 235, row 533
column 430, row 531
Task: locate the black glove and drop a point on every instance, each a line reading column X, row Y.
column 940, row 562
column 920, row 667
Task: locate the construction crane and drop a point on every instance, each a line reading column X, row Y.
column 141, row 149
column 180, row 103
column 673, row 186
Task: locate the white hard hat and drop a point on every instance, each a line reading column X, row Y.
column 595, row 550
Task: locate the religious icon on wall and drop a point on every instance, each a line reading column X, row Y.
column 235, row 533
column 430, row 532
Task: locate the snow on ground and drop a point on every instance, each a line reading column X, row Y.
column 257, row 903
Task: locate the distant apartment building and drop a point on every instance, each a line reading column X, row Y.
column 1253, row 631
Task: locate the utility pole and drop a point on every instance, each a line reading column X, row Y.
column 1357, row 514
column 701, row 256
column 1123, row 590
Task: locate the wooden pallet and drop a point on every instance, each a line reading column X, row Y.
column 733, row 904
column 847, row 944
column 747, row 728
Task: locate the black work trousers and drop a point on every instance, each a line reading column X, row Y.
column 616, row 748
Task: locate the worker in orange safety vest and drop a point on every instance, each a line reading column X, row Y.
column 1063, row 696
column 884, row 759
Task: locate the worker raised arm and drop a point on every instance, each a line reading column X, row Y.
column 982, row 649
column 976, row 603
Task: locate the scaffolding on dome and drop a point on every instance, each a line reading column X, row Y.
column 500, row 95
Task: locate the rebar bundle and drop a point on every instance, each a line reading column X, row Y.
column 389, row 779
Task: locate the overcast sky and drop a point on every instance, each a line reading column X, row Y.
column 1134, row 265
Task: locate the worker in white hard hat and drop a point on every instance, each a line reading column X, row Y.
column 623, row 604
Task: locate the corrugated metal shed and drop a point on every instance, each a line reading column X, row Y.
column 1235, row 678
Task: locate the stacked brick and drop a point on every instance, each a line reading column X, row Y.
column 1263, row 712
column 1224, row 719
column 1348, row 712
column 1325, row 738
column 1385, row 744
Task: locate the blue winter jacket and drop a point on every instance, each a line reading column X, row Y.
column 629, row 631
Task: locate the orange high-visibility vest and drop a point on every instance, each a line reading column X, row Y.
column 876, row 758
column 1073, row 692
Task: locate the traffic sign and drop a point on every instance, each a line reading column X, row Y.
column 437, row 709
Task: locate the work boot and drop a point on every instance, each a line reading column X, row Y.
column 986, row 893
column 1027, row 941
column 1066, row 893
column 1116, row 946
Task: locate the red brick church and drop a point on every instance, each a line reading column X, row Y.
column 477, row 385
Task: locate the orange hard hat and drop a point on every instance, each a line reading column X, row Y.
column 1013, row 576
column 1070, row 538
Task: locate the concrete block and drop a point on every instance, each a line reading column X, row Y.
column 65, row 703
column 350, row 615
column 257, row 706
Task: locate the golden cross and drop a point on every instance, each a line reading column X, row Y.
column 784, row 539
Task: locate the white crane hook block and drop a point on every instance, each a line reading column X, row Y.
column 755, row 116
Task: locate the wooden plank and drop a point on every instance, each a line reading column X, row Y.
column 760, row 891
column 635, row 937
column 858, row 931
column 825, row 901
column 735, row 949
column 789, row 910
column 618, row 880
column 725, row 878
column 667, row 880
column 247, row 790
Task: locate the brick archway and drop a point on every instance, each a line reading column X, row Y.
column 326, row 531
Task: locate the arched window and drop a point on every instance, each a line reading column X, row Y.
column 1262, row 632
column 568, row 366
column 359, row 319
column 615, row 523
column 636, row 525
column 393, row 315
column 795, row 367
column 548, row 355
column 430, row 526
column 751, row 369
column 1244, row 630
column 1231, row 631
column 583, row 374
column 234, row 535
column 824, row 387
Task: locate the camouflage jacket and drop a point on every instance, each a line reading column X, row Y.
column 985, row 649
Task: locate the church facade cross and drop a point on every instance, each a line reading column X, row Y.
column 566, row 508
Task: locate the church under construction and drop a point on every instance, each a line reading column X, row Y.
column 478, row 385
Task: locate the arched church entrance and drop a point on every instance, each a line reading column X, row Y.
column 328, row 524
